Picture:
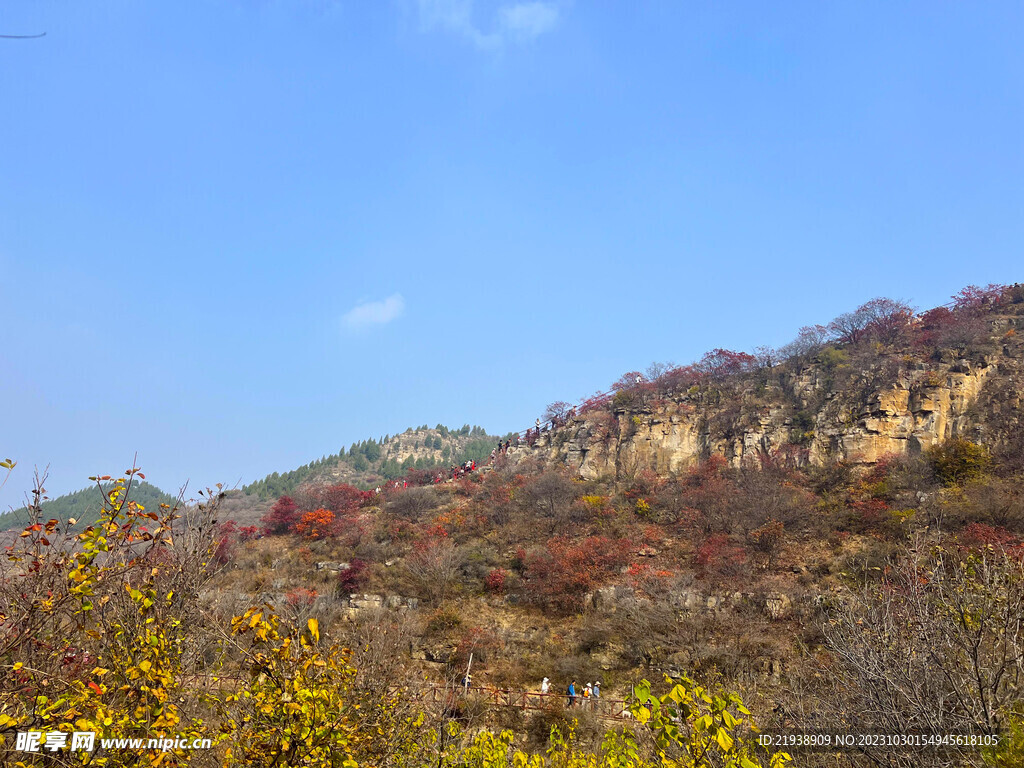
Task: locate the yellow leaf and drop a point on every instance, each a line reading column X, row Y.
column 314, row 629
column 724, row 740
column 18, row 666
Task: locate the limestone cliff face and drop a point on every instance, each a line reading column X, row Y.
column 896, row 407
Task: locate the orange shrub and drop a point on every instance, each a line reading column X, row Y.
column 318, row 524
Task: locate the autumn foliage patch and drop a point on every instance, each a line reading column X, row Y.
column 318, row 524
column 563, row 572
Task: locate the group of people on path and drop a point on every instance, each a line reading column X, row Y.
column 588, row 695
column 532, row 435
column 454, row 473
column 502, row 448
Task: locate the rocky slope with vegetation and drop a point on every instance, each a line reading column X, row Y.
column 371, row 462
column 717, row 520
column 881, row 383
column 833, row 531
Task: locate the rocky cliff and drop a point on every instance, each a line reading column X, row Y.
column 837, row 404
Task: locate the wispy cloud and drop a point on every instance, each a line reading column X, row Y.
column 374, row 312
column 512, row 22
column 526, row 21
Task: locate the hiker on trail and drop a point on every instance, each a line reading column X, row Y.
column 538, row 426
column 588, row 692
column 571, row 694
column 597, row 690
column 474, row 465
column 467, row 681
column 545, row 685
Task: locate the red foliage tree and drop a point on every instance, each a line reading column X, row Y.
column 849, row 327
column 887, row 319
column 353, row 578
column 644, row 485
column 705, row 496
column 495, row 581
column 628, row 381
column 677, row 379
column 982, row 536
column 720, row 556
column 945, row 329
column 723, row 363
column 931, row 324
column 871, row 515
column 224, row 544
column 282, row 516
column 974, row 299
column 419, row 477
column 249, row 532
column 883, row 319
column 342, row 497
column 560, row 575
column 300, row 598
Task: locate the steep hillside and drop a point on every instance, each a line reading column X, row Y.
column 724, row 520
column 853, row 401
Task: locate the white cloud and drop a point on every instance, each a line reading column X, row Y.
column 528, row 20
column 374, row 312
column 518, row 22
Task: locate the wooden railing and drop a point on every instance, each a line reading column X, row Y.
column 612, row 709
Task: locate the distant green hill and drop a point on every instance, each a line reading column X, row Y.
column 85, row 505
column 364, row 465
column 371, row 462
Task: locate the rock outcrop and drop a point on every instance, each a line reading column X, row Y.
column 898, row 406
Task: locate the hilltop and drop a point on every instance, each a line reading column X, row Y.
column 366, row 465
column 371, row 462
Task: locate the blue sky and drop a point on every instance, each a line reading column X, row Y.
column 235, row 236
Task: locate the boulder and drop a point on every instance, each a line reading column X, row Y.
column 777, row 605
